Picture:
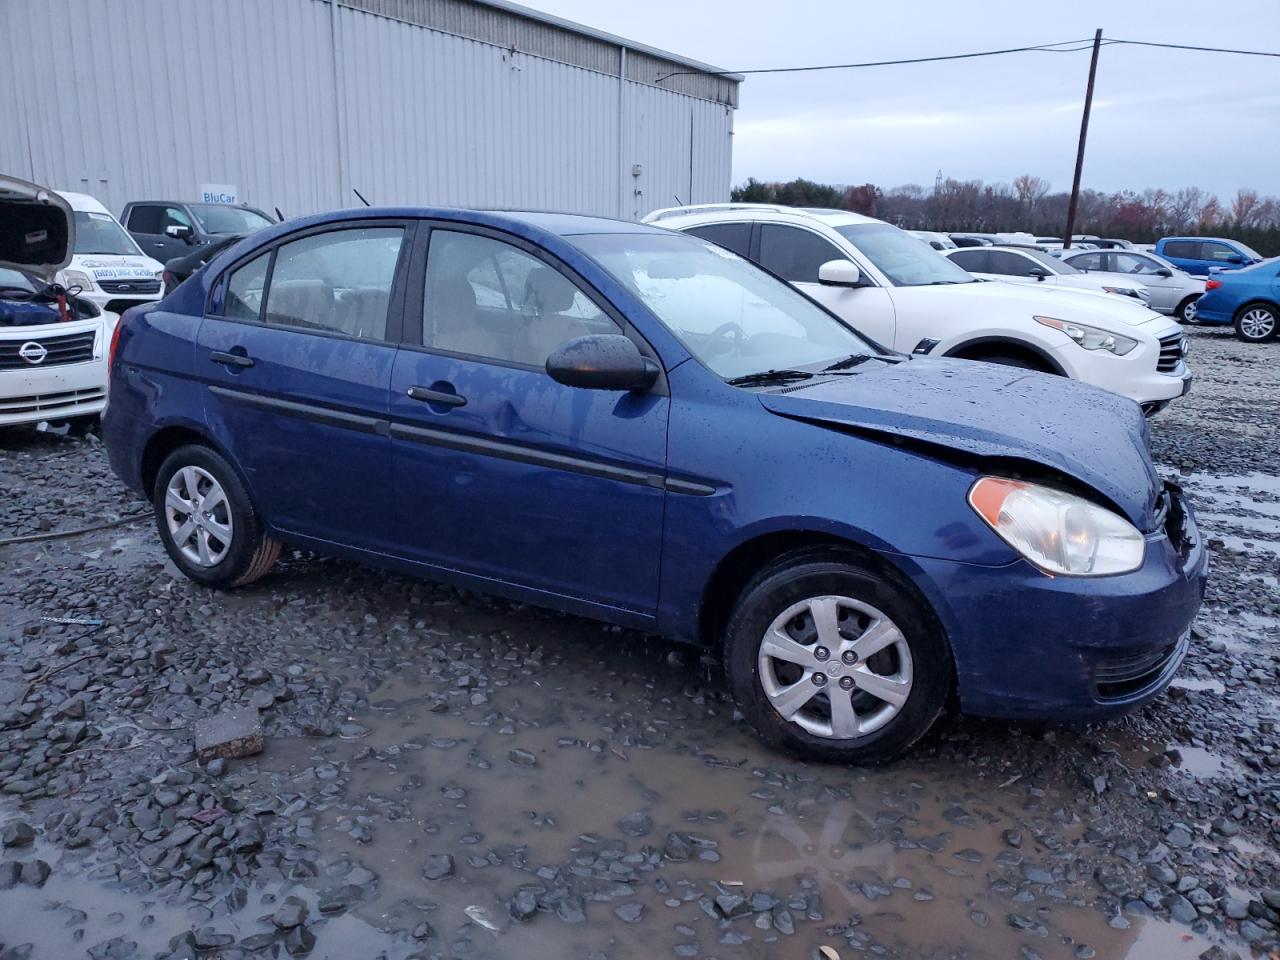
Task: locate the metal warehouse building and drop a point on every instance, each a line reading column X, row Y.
column 297, row 103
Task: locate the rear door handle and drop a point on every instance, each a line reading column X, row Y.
column 233, row 359
column 437, row 396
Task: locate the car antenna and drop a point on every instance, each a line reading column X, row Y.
column 678, row 201
column 279, row 215
column 361, row 196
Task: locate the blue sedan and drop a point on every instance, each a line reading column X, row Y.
column 1249, row 299
column 639, row 426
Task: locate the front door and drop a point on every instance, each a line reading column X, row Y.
column 297, row 355
column 499, row 471
column 795, row 254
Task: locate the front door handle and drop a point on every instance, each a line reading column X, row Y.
column 428, row 395
column 232, row 359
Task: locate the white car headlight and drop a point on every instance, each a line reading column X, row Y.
column 74, row 278
column 1091, row 338
column 159, row 275
column 1058, row 532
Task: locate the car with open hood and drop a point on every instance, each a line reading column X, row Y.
column 53, row 340
column 631, row 424
column 896, row 290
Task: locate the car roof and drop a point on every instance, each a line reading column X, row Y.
column 82, row 202
column 747, row 211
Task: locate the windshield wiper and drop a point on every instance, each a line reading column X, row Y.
column 766, row 377
column 850, row 361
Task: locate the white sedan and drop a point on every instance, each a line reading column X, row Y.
column 1025, row 265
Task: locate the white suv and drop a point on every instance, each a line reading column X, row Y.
column 893, row 288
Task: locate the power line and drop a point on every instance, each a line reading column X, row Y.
column 1062, row 46
column 1073, row 46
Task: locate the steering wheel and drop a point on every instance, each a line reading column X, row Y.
column 726, row 331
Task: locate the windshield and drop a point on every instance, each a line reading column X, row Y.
column 731, row 315
column 1248, row 251
column 901, row 257
column 13, row 280
column 99, row 233
column 219, row 218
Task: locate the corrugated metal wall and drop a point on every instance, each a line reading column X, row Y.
column 296, row 102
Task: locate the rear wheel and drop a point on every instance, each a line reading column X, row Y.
column 207, row 522
column 1257, row 322
column 1186, row 311
column 832, row 660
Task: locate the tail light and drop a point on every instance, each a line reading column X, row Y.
column 1212, row 284
column 115, row 342
column 170, row 281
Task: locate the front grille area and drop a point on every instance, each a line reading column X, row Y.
column 1126, row 677
column 50, row 403
column 130, row 286
column 67, row 348
column 1170, row 352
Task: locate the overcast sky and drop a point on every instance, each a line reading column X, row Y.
column 1161, row 118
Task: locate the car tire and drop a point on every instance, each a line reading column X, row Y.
column 1257, row 322
column 207, row 522
column 858, row 605
column 1186, row 310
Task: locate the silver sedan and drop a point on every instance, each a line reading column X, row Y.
column 1173, row 291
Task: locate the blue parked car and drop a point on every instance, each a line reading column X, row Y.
column 639, row 426
column 1200, row 256
column 1248, row 298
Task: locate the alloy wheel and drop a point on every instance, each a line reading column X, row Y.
column 835, row 666
column 1257, row 323
column 198, row 515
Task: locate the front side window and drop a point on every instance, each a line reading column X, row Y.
column 243, row 299
column 1133, row 263
column 735, row 318
column 490, row 299
column 795, row 254
column 1217, row 252
column 145, row 218
column 338, row 282
column 99, row 233
column 901, row 257
column 174, row 217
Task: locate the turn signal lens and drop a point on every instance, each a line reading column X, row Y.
column 1057, row 531
column 1091, row 338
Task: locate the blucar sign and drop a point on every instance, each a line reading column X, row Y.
column 219, row 193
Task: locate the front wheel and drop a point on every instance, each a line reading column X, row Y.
column 207, row 522
column 831, row 660
column 1256, row 323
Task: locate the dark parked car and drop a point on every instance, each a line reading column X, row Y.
column 640, row 426
column 180, row 268
column 167, row 228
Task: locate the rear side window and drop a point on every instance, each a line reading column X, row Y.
column 338, row 282
column 1183, row 249
column 243, row 299
column 145, row 219
column 731, row 236
column 973, row 259
column 795, row 254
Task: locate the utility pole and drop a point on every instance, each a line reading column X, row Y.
column 1084, row 132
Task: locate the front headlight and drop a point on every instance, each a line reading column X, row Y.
column 1059, row 532
column 160, row 275
column 74, row 278
column 1091, row 338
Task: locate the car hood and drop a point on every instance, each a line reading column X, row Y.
column 37, row 229
column 989, row 411
column 1046, row 299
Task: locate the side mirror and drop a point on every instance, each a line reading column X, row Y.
column 1164, row 272
column 601, row 362
column 839, row 273
column 1038, row 272
column 178, row 232
column 1235, row 258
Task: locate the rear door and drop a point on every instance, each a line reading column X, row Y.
column 498, row 470
column 1184, row 254
column 795, row 254
column 297, row 352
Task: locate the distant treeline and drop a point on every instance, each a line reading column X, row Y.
column 1027, row 204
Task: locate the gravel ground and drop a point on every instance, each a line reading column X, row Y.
column 446, row 775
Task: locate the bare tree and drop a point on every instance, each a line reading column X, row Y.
column 1030, row 190
column 1185, row 207
column 1244, row 207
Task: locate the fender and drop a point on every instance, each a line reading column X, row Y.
column 1048, row 359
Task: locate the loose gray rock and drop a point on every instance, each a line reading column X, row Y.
column 235, row 732
column 439, row 866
